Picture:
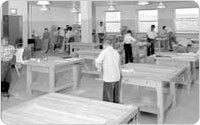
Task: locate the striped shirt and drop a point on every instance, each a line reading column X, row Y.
column 7, row 53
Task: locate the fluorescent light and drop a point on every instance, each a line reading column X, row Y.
column 161, row 5
column 143, row 2
column 43, row 3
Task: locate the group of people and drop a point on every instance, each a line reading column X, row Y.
column 151, row 36
column 56, row 38
column 109, row 62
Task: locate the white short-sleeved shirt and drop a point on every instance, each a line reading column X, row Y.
column 101, row 29
column 128, row 39
column 151, row 34
column 109, row 61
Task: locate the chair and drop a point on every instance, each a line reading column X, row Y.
column 19, row 60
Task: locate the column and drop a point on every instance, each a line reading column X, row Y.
column 86, row 21
column 22, row 9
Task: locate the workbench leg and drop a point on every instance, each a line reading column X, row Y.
column 173, row 93
column 29, row 81
column 52, row 80
column 159, row 45
column 194, row 72
column 76, row 75
column 160, row 105
column 121, row 93
column 189, row 73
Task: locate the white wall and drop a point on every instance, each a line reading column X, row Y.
column 56, row 16
column 166, row 16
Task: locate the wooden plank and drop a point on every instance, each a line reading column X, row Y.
column 70, row 109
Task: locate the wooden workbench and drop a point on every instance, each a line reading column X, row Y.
column 77, row 46
column 89, row 55
column 52, row 67
column 176, row 59
column 163, row 41
column 139, row 51
column 56, row 108
column 153, row 76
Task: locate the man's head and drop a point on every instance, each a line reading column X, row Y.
column 70, row 28
column 46, row 29
column 4, row 41
column 152, row 27
column 101, row 23
column 107, row 42
column 129, row 32
column 164, row 27
column 59, row 28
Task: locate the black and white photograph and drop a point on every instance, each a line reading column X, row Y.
column 99, row 62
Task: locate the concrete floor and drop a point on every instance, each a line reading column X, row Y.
column 185, row 112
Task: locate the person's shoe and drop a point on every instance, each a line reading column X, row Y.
column 170, row 50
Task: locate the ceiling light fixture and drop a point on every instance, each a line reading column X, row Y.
column 143, row 2
column 43, row 3
column 74, row 8
column 44, row 8
column 112, row 6
column 161, row 5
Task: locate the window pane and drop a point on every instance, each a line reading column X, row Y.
column 187, row 26
column 187, row 20
column 113, row 16
column 187, row 13
column 145, row 26
column 113, row 27
column 148, row 15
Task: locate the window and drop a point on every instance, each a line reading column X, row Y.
column 113, row 21
column 146, row 18
column 186, row 20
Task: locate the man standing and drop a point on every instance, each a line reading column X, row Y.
column 151, row 37
column 101, row 33
column 108, row 62
column 46, row 38
column 7, row 52
column 128, row 40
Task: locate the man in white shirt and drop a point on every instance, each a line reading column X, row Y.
column 151, row 37
column 101, row 33
column 108, row 62
column 128, row 40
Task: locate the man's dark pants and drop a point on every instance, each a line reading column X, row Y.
column 101, row 38
column 150, row 48
column 111, row 91
column 5, row 76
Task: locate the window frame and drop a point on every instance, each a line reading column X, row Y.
column 112, row 22
column 185, row 19
column 138, row 30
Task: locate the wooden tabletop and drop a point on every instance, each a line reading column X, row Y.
column 178, row 56
column 151, row 71
column 56, row 108
column 53, row 62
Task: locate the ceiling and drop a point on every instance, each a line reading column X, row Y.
column 66, row 4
